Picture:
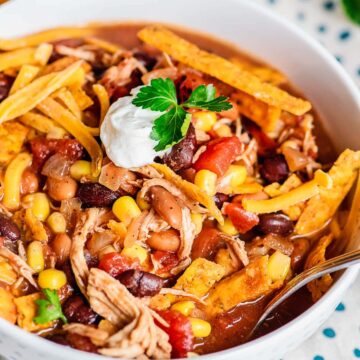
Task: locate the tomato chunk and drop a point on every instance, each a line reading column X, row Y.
column 115, row 264
column 243, row 220
column 166, row 259
column 180, row 333
column 43, row 148
column 219, row 155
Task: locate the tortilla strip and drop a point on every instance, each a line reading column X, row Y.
column 320, row 286
column 191, row 190
column 222, row 69
column 46, row 36
column 266, row 116
column 323, row 206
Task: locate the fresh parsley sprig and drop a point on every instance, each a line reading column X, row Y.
column 49, row 309
column 352, row 9
column 171, row 127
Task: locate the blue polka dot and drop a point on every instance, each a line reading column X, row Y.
column 357, row 352
column 329, row 5
column 340, row 307
column 322, row 28
column 339, row 58
column 329, row 332
column 318, row 357
column 344, row 35
column 272, row 1
column 358, row 71
column 300, row 16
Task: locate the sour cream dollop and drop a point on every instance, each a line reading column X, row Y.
column 125, row 133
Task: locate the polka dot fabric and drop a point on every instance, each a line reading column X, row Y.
column 339, row 337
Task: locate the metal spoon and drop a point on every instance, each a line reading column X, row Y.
column 337, row 263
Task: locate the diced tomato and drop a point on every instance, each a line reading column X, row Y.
column 192, row 80
column 243, row 220
column 207, row 243
column 43, row 148
column 115, row 264
column 180, row 332
column 219, row 155
column 166, row 259
column 265, row 143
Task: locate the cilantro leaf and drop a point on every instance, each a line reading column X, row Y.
column 203, row 97
column 49, row 309
column 352, row 9
column 170, row 128
column 158, row 96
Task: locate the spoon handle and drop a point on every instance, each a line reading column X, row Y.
column 337, row 263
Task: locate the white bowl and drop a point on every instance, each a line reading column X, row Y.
column 257, row 31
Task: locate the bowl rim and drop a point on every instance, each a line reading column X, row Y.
column 343, row 282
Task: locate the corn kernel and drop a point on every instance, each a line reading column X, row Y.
column 142, row 203
column 125, row 209
column 228, row 228
column 79, row 169
column 39, row 204
column 237, row 174
column 223, row 131
column 57, row 222
column 184, row 307
column 206, row 180
column 200, row 328
column 35, row 256
column 56, row 132
column 118, row 228
column 52, row 279
column 197, row 220
column 278, row 266
column 106, row 250
column 204, row 120
column 135, row 251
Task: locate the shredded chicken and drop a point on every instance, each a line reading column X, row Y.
column 187, row 234
column 249, row 156
column 152, row 222
column 19, row 265
column 181, row 293
column 139, row 335
column 86, row 224
column 237, row 250
column 147, row 171
column 78, row 53
column 97, row 336
column 164, row 73
column 133, row 231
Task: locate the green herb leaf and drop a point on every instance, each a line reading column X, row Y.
column 352, row 9
column 158, row 96
column 49, row 309
column 170, row 128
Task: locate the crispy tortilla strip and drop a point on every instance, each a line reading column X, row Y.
column 37, row 121
column 25, row 76
column 27, row 98
column 17, row 58
column 245, row 285
column 7, row 306
column 265, row 74
column 12, row 137
column 316, row 256
column 323, row 206
column 266, row 116
column 46, row 36
column 190, row 190
column 106, row 45
column 221, row 69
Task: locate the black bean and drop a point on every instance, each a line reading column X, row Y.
column 147, row 60
column 5, row 85
column 220, row 198
column 274, row 168
column 141, row 283
column 181, row 154
column 76, row 310
column 8, row 228
column 278, row 224
column 96, row 195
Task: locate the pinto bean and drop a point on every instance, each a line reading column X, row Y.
column 166, row 206
column 96, row 195
column 63, row 189
column 76, row 310
column 279, row 224
column 181, row 154
column 141, row 283
column 29, row 182
column 207, row 243
column 8, row 229
column 301, row 248
column 61, row 246
column 167, row 240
